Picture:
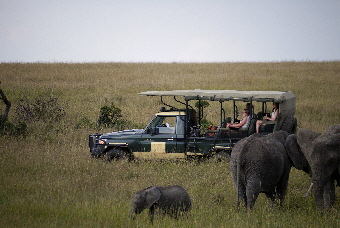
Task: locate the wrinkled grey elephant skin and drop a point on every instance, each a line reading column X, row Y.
column 261, row 164
column 322, row 152
column 171, row 200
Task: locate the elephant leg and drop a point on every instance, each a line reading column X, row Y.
column 281, row 190
column 241, row 195
column 318, row 193
column 173, row 211
column 329, row 194
column 253, row 190
column 152, row 213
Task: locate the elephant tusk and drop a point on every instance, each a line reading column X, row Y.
column 309, row 190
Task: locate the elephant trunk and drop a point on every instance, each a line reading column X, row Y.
column 134, row 211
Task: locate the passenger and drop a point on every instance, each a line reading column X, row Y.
column 273, row 117
column 244, row 123
column 251, row 110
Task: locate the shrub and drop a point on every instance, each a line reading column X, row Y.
column 8, row 128
column 44, row 108
column 109, row 116
column 200, row 105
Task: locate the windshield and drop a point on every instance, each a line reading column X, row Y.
column 167, row 125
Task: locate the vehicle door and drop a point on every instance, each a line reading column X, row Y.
column 165, row 137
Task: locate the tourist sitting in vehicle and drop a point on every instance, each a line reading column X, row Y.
column 251, row 110
column 243, row 124
column 273, row 117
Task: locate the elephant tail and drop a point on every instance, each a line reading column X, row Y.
column 309, row 190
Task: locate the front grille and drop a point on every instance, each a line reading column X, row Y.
column 93, row 140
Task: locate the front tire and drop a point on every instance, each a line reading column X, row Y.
column 117, row 154
column 220, row 157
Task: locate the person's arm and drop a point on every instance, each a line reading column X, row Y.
column 275, row 116
column 240, row 124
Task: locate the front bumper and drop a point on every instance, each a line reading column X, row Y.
column 96, row 152
column 95, row 148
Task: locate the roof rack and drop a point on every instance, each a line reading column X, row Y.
column 226, row 95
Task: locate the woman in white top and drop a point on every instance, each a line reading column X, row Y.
column 273, row 117
column 244, row 123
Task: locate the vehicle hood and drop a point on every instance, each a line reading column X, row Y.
column 122, row 133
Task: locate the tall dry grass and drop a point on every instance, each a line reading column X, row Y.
column 48, row 179
column 86, row 87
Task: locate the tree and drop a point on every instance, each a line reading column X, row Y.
column 6, row 102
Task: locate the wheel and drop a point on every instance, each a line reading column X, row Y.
column 289, row 124
column 117, row 154
column 220, row 156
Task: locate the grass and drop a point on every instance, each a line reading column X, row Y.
column 48, row 179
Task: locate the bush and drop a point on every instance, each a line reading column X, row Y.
column 205, row 124
column 44, row 108
column 8, row 128
column 200, row 105
column 109, row 116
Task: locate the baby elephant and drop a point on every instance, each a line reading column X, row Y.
column 171, row 200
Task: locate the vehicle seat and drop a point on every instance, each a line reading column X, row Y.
column 224, row 123
column 233, row 132
column 252, row 127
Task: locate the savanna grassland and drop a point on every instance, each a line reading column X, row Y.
column 48, row 178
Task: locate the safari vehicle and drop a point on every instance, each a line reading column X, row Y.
column 175, row 132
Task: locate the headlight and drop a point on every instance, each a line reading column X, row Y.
column 102, row 141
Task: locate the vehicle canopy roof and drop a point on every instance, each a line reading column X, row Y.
column 286, row 99
column 226, row 95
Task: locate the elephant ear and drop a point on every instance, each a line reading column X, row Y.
column 305, row 139
column 295, row 154
column 280, row 136
column 153, row 194
column 329, row 143
column 334, row 129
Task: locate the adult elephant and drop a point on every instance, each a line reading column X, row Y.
column 260, row 163
column 322, row 152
